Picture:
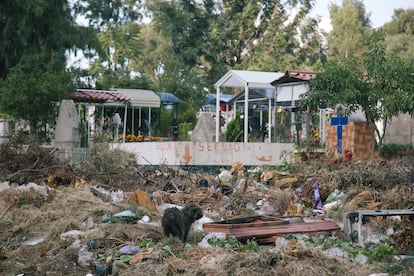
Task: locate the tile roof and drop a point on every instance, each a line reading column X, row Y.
column 97, row 96
column 295, row 76
column 301, row 74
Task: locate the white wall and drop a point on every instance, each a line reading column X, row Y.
column 207, row 153
column 291, row 91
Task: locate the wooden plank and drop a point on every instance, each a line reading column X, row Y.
column 216, row 227
column 318, row 226
column 242, row 222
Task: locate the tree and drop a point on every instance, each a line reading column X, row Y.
column 399, row 36
column 350, row 29
column 121, row 46
column 286, row 40
column 31, row 91
column 381, row 86
column 210, row 37
column 115, row 44
column 34, row 37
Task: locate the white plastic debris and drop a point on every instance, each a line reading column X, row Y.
column 224, row 175
column 85, row 257
column 144, row 219
column 204, row 243
column 4, row 186
column 281, row 245
column 362, row 259
column 198, row 224
column 164, row 206
column 40, row 189
column 126, row 213
column 36, row 238
column 71, row 234
column 335, row 252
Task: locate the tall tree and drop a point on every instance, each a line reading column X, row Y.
column 31, row 91
column 28, row 28
column 176, row 54
column 117, row 41
column 35, row 37
column 213, row 36
column 400, row 34
column 381, row 85
column 292, row 40
column 350, row 29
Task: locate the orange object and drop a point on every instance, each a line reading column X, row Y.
column 143, row 199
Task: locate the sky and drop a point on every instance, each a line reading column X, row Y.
column 380, row 11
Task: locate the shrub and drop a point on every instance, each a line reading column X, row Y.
column 391, row 150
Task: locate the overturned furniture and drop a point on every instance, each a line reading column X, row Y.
column 266, row 229
column 354, row 220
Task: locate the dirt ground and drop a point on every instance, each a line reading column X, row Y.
column 65, row 222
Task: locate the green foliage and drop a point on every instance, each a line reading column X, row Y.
column 30, row 28
column 234, row 131
column 378, row 253
column 399, row 34
column 391, row 150
column 251, row 246
column 144, row 243
column 186, row 113
column 350, row 29
column 31, row 92
column 105, row 162
column 231, row 243
column 184, row 129
column 384, row 90
column 402, row 267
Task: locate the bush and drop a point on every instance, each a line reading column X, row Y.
column 391, row 150
column 234, row 132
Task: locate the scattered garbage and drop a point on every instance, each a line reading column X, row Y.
column 204, row 243
column 72, row 234
column 224, row 175
column 335, row 252
column 126, row 213
column 145, row 219
column 143, row 199
column 107, row 230
column 129, row 249
column 35, row 238
column 112, row 196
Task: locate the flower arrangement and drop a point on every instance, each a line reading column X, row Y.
column 138, row 138
column 101, row 138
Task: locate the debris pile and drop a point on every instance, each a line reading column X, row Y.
column 103, row 217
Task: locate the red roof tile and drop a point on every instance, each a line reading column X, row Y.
column 295, row 76
column 97, row 96
column 301, row 74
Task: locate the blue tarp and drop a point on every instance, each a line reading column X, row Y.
column 168, row 98
column 224, row 98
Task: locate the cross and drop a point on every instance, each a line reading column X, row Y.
column 339, row 121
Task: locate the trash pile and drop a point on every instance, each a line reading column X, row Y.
column 103, row 219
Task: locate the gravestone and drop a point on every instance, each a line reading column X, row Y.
column 67, row 130
column 348, row 133
column 339, row 121
column 205, row 128
column 5, row 130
